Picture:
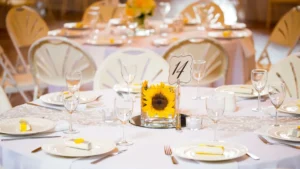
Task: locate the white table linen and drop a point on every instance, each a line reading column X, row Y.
column 147, row 151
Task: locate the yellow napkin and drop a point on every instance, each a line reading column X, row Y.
column 204, row 149
column 24, row 125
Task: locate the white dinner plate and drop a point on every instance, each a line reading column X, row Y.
column 244, row 95
column 134, row 88
column 60, row 149
column 73, row 25
column 235, row 26
column 290, row 107
column 161, row 42
column 105, row 42
column 281, row 133
column 233, row 35
column 231, row 151
column 56, row 99
column 38, row 125
column 68, row 33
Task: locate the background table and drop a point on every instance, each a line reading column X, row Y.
column 147, row 151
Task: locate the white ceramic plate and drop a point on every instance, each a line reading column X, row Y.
column 234, row 35
column 73, row 25
column 161, row 42
column 191, row 22
column 235, row 26
column 232, row 87
column 281, row 133
column 105, row 42
column 60, row 149
column 55, row 98
column 68, row 33
column 231, row 151
column 135, row 88
column 290, row 107
column 38, row 125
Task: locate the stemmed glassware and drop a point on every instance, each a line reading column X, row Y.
column 164, row 9
column 73, row 80
column 277, row 95
column 215, row 106
column 202, row 16
column 132, row 24
column 123, row 110
column 71, row 101
column 199, row 69
column 128, row 73
column 259, row 80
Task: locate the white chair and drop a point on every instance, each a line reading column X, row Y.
column 213, row 8
column 24, row 26
column 286, row 34
column 206, row 49
column 50, row 58
column 288, row 72
column 150, row 66
column 4, row 103
column 11, row 81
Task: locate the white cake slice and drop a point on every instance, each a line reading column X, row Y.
column 79, row 144
column 294, row 132
column 204, row 149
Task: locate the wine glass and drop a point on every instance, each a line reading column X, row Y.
column 277, row 95
column 73, row 80
column 132, row 24
column 164, row 9
column 128, row 73
column 215, row 106
column 123, row 111
column 71, row 101
column 199, row 69
column 259, row 79
column 201, row 14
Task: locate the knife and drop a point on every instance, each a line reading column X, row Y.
column 33, row 137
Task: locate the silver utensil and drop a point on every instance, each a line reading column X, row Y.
column 255, row 157
column 52, row 108
column 108, row 155
column 269, row 143
column 168, row 152
column 32, row 137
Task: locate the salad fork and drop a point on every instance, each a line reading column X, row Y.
column 168, row 152
column 267, row 142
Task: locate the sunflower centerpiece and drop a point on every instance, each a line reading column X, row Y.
column 140, row 9
column 158, row 105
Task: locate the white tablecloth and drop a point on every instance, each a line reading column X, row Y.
column 147, row 151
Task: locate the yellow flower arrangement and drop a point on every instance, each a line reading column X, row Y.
column 158, row 100
column 139, row 9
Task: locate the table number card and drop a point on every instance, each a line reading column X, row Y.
column 180, row 68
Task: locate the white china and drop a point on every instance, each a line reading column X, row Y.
column 232, row 35
column 235, row 26
column 231, row 151
column 281, row 133
column 133, row 88
column 68, row 33
column 73, row 25
column 38, row 125
column 232, row 88
column 290, row 107
column 105, row 42
column 60, row 149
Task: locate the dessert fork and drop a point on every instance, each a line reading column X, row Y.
column 168, row 152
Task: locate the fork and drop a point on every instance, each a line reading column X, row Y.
column 168, row 152
column 267, row 142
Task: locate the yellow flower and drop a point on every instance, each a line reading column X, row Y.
column 159, row 101
column 136, row 8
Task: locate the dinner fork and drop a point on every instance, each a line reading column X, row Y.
column 168, row 152
column 267, row 142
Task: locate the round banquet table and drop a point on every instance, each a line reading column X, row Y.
column 147, row 152
column 240, row 50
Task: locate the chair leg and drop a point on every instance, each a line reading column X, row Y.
column 35, row 92
column 269, row 14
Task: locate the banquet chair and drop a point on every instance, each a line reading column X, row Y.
column 24, row 26
column 13, row 82
column 286, row 33
column 4, row 103
column 287, row 71
column 150, row 66
column 205, row 49
column 50, row 58
column 216, row 11
column 106, row 11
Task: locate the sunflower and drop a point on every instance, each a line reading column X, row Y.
column 159, row 101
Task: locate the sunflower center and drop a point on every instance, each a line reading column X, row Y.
column 159, row 102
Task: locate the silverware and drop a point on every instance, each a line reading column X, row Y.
column 168, row 152
column 32, row 137
column 53, row 108
column 255, row 157
column 108, row 155
column 36, row 150
column 269, row 143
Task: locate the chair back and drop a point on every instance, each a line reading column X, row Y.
column 150, row 66
column 205, row 49
column 4, row 103
column 287, row 71
column 50, row 58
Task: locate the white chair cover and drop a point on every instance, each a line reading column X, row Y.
column 205, row 49
column 4, row 103
column 288, row 72
column 150, row 66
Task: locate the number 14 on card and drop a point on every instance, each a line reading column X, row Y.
column 180, row 68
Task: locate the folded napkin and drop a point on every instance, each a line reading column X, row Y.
column 79, row 143
column 205, row 149
column 242, row 90
column 248, row 47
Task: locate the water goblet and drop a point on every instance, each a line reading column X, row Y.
column 276, row 93
column 215, row 106
column 73, row 80
column 199, row 69
column 132, row 24
column 259, row 80
column 123, row 110
column 164, row 9
column 128, row 73
column 71, row 101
